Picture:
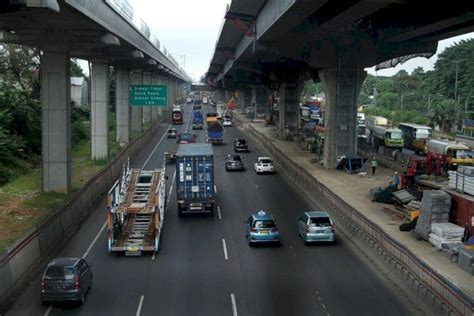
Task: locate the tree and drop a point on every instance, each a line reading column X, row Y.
column 442, row 113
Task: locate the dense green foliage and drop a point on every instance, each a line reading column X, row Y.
column 20, row 111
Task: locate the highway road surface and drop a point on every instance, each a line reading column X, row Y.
column 205, row 266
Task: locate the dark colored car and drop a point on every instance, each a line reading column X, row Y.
column 172, row 133
column 240, row 145
column 186, row 138
column 234, row 162
column 66, row 279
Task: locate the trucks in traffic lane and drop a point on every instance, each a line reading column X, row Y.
column 177, row 117
column 195, row 179
column 135, row 211
column 198, row 119
column 215, row 133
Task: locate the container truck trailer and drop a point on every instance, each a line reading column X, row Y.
column 195, row 179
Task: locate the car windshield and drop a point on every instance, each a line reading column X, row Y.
column 320, row 221
column 268, row 223
column 265, row 161
column 59, row 273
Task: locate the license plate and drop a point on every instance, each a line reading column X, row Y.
column 133, row 249
column 266, row 232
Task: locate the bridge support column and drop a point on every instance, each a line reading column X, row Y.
column 100, row 87
column 289, row 105
column 147, row 109
column 122, row 112
column 137, row 112
column 342, row 86
column 154, row 109
column 56, row 121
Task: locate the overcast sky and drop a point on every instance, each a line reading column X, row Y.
column 189, row 30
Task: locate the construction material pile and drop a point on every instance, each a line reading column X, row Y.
column 435, row 206
column 443, row 234
column 463, row 179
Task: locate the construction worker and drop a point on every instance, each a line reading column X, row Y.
column 395, row 180
column 373, row 165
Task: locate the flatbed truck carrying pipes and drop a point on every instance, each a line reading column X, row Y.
column 195, row 179
column 135, row 211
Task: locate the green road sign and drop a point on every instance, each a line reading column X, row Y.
column 148, row 95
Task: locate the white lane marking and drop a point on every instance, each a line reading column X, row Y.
column 139, row 309
column 156, row 146
column 94, row 241
column 234, row 304
column 224, row 246
column 48, row 311
column 171, row 190
column 215, row 189
column 219, row 212
column 153, row 257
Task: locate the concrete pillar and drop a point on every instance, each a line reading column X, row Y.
column 100, row 87
column 56, row 121
column 137, row 112
column 341, row 112
column 122, row 112
column 154, row 109
column 147, row 109
column 261, row 95
column 289, row 106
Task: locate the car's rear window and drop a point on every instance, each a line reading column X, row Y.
column 241, row 142
column 265, row 161
column 60, row 273
column 236, row 158
column 186, row 137
column 320, row 221
column 264, row 224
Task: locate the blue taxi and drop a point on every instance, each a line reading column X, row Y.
column 261, row 228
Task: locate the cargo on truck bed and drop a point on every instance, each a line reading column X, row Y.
column 135, row 211
column 195, row 179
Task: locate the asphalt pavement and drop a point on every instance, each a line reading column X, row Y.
column 205, row 266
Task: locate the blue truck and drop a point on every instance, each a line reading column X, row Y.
column 198, row 119
column 215, row 133
column 195, row 179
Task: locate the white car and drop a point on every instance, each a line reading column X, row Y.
column 176, row 108
column 264, row 164
column 189, row 100
column 204, row 100
column 227, row 123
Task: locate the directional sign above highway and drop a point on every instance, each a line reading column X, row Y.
column 148, row 95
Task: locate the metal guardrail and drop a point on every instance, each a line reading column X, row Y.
column 457, row 301
column 39, row 244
